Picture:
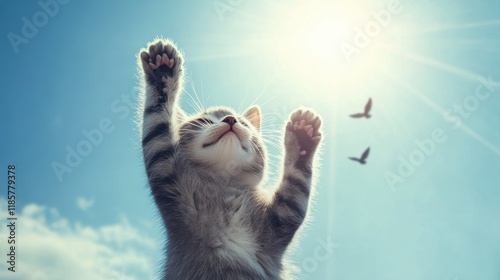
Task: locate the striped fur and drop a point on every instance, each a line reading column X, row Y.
column 205, row 173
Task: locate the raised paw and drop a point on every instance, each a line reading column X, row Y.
column 162, row 62
column 304, row 124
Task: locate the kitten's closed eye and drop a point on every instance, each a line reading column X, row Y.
column 244, row 123
column 203, row 121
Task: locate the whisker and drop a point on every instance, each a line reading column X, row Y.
column 197, row 97
column 197, row 107
column 203, row 103
column 270, row 128
column 260, row 94
column 242, row 101
column 273, row 144
column 272, row 134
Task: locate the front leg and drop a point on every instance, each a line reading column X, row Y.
column 162, row 67
column 289, row 205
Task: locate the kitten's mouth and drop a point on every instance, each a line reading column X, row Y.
column 220, row 137
column 230, row 132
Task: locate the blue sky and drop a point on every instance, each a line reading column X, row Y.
column 424, row 207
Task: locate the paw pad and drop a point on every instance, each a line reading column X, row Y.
column 305, row 124
column 160, row 62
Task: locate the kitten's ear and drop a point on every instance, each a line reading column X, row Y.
column 253, row 115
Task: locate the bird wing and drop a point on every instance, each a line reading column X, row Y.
column 353, row 158
column 368, row 106
column 365, row 154
column 356, row 116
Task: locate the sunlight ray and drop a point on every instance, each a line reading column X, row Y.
column 437, row 64
column 481, row 140
column 460, row 26
column 221, row 55
column 469, row 131
column 488, row 42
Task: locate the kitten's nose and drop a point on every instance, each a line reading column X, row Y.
column 230, row 120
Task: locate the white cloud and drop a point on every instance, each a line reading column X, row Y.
column 84, row 203
column 51, row 247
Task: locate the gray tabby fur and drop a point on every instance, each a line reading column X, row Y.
column 206, row 179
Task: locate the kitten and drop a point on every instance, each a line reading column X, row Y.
column 205, row 172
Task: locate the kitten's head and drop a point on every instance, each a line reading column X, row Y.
column 225, row 144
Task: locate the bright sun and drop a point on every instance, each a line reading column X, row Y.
column 333, row 39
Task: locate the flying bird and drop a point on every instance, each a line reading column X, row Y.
column 362, row 160
column 366, row 113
